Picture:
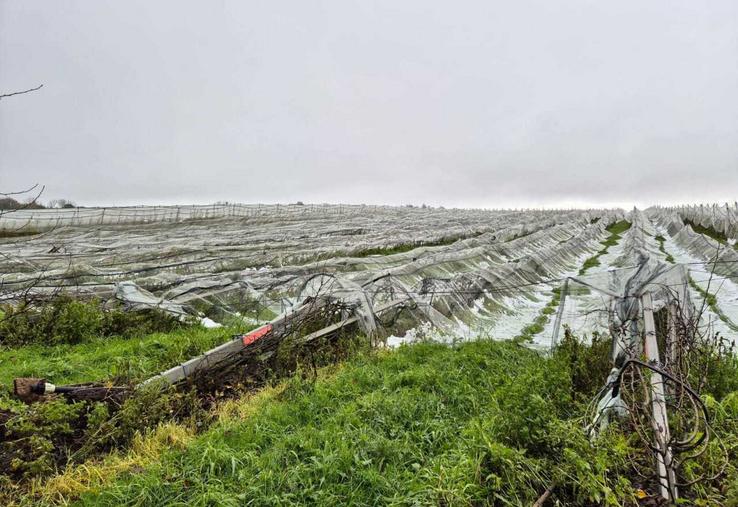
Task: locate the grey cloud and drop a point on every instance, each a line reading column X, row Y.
column 472, row 103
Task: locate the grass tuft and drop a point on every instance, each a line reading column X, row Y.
column 613, row 239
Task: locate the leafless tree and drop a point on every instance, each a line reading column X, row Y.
column 61, row 203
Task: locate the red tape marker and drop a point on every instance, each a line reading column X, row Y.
column 253, row 336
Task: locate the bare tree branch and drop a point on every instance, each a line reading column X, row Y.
column 20, row 93
column 19, row 192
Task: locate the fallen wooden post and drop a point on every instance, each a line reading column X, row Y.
column 34, row 389
column 260, row 342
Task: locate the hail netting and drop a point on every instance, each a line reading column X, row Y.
column 653, row 358
column 721, row 218
column 45, row 219
column 713, row 267
column 463, row 269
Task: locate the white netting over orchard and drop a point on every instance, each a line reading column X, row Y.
column 464, row 272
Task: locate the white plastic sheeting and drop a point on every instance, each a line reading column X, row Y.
column 489, row 280
column 495, row 279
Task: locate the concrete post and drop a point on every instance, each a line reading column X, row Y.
column 660, row 420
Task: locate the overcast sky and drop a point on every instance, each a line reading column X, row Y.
column 478, row 103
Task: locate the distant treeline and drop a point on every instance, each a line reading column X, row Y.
column 8, row 203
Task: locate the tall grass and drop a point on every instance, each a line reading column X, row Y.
column 482, row 423
column 103, row 358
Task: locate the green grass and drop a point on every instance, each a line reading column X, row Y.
column 590, row 263
column 406, row 247
column 13, row 233
column 538, row 324
column 484, row 423
column 612, row 239
column 106, row 358
column 481, row 423
column 707, row 231
column 618, row 227
column 712, row 304
column 661, row 241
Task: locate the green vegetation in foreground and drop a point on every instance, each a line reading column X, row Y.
column 482, row 423
column 36, row 439
column 66, row 320
column 72, row 341
column 103, row 358
column 615, row 231
column 661, row 241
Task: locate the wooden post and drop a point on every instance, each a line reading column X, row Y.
column 660, row 420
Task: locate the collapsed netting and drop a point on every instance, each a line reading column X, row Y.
column 488, row 270
column 463, row 272
column 723, row 219
column 45, row 219
column 253, row 268
column 445, row 287
column 659, row 345
column 660, row 341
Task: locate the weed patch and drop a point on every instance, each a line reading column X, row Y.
column 406, row 247
column 66, row 320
